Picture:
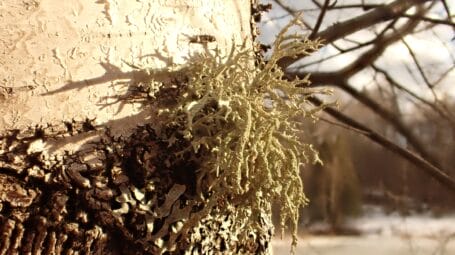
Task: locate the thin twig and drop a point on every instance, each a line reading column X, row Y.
column 292, row 12
column 413, row 158
column 319, row 20
column 344, row 51
column 418, row 65
column 431, row 20
column 339, row 30
column 446, row 8
column 340, row 79
column 365, row 7
column 347, row 127
column 433, row 105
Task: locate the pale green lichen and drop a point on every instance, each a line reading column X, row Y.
column 242, row 123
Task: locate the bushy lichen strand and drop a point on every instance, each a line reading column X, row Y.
column 243, row 123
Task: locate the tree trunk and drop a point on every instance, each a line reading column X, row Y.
column 81, row 168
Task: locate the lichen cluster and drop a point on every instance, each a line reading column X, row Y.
column 241, row 123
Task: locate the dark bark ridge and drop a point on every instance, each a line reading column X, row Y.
column 116, row 196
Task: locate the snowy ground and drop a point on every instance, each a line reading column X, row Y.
column 383, row 234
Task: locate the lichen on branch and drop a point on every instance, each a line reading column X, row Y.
column 241, row 121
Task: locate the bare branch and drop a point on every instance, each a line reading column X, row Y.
column 377, row 15
column 381, row 44
column 320, row 18
column 394, row 11
column 413, row 158
column 340, row 79
column 431, row 20
column 418, row 65
column 365, row 7
column 443, row 75
column 446, row 8
column 291, row 12
column 344, row 51
column 433, row 105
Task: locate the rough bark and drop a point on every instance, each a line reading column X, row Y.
column 117, row 196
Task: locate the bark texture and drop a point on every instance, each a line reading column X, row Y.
column 117, row 196
column 61, row 60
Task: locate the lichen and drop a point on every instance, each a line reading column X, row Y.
column 241, row 121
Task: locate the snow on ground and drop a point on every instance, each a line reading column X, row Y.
column 370, row 245
column 375, row 222
column 382, row 234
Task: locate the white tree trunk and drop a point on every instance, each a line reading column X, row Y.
column 61, row 60
column 68, row 182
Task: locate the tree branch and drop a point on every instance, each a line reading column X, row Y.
column 433, row 105
column 342, row 29
column 418, row 65
column 340, row 79
column 431, row 20
column 320, row 18
column 418, row 161
column 291, row 12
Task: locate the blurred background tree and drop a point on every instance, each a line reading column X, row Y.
column 392, row 139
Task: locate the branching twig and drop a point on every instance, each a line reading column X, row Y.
column 365, row 7
column 340, row 79
column 413, row 158
column 320, row 18
column 342, row 29
column 394, row 11
column 433, row 105
column 418, row 65
column 446, row 8
column 291, row 12
column 344, row 51
column 431, row 20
